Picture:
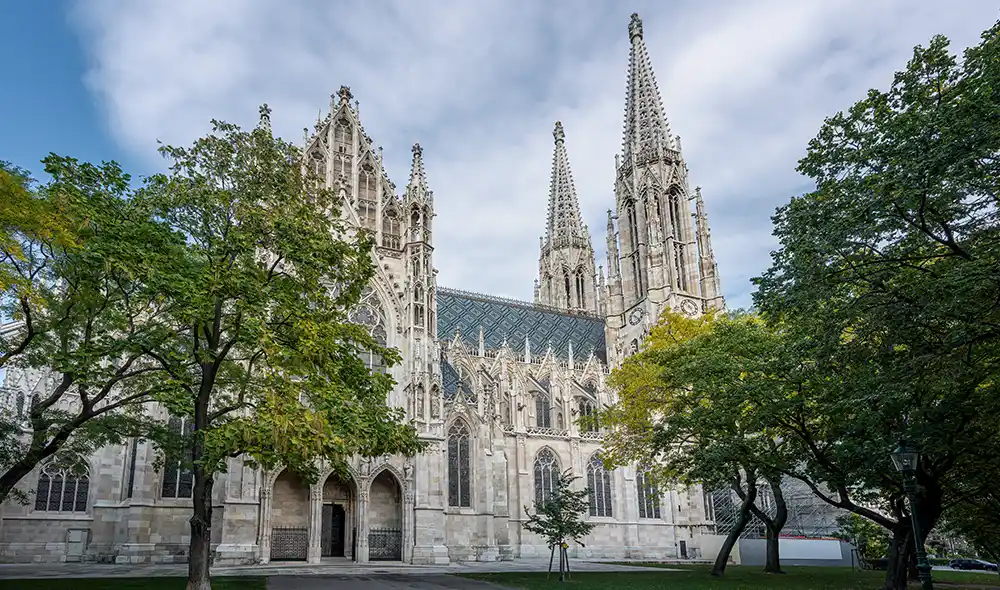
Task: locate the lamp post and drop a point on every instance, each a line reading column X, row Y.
column 905, row 460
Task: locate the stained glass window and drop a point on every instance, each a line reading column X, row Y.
column 459, row 475
column 178, row 478
column 648, row 496
column 546, row 475
column 586, row 411
column 599, row 482
column 63, row 488
column 543, row 411
column 390, row 229
column 368, row 313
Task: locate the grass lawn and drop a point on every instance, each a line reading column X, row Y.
column 131, row 584
column 736, row 578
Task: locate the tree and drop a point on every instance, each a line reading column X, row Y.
column 870, row 539
column 687, row 413
column 977, row 523
column 887, row 280
column 558, row 518
column 266, row 363
column 73, row 257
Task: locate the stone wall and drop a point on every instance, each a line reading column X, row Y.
column 290, row 506
column 385, row 504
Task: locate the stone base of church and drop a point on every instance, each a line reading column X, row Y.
column 236, row 554
column 430, row 555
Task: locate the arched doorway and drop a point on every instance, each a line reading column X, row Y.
column 338, row 529
column 289, row 518
column 385, row 518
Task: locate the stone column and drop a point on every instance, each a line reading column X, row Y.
column 407, row 523
column 428, row 508
column 264, row 542
column 365, row 487
column 314, row 550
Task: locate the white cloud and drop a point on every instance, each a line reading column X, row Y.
column 479, row 84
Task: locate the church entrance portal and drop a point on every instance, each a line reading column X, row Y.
column 334, row 530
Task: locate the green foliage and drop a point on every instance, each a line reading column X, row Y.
column 977, row 522
column 870, row 539
column 560, row 518
column 886, row 283
column 265, row 361
column 75, row 262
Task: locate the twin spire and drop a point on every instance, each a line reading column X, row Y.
column 564, row 220
column 646, row 130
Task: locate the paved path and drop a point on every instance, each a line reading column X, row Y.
column 296, row 570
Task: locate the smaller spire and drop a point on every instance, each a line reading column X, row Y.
column 418, row 178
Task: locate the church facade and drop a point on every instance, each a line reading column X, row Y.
column 496, row 386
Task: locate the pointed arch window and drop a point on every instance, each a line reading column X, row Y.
column 63, row 488
column 599, row 482
column 459, row 474
column 543, row 410
column 586, row 410
column 369, row 314
column 342, row 137
column 178, row 477
column 415, row 229
column 647, row 495
column 130, row 474
column 390, row 228
column 546, row 475
column 581, row 289
column 367, row 197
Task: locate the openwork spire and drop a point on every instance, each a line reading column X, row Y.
column 564, row 219
column 646, row 131
column 418, row 179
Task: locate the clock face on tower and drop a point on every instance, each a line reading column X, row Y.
column 636, row 316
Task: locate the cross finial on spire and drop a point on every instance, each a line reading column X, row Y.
column 265, row 116
column 345, row 94
column 558, row 132
column 635, row 26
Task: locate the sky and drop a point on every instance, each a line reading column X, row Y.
column 479, row 84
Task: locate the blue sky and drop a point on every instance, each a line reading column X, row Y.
column 478, row 83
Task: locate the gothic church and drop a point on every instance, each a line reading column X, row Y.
column 496, row 386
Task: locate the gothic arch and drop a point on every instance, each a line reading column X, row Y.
column 329, row 470
column 393, row 470
column 79, row 470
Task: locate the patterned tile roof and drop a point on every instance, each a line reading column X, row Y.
column 514, row 320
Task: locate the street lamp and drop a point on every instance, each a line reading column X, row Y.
column 905, row 460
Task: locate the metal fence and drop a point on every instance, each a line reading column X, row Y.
column 385, row 545
column 288, row 543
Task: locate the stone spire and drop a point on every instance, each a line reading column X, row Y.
column 711, row 288
column 418, row 178
column 646, row 128
column 566, row 268
column 564, row 221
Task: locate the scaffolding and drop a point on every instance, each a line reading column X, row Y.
column 808, row 515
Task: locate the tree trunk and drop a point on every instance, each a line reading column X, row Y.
column 200, row 550
column 900, row 549
column 722, row 559
column 12, row 476
column 774, row 528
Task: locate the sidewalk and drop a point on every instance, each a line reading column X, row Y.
column 331, row 568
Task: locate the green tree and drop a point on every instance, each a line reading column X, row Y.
column 72, row 263
column 688, row 412
column 977, row 522
column 887, row 280
column 559, row 518
column 870, row 539
column 265, row 360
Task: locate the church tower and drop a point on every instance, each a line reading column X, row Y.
column 566, row 275
column 658, row 256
